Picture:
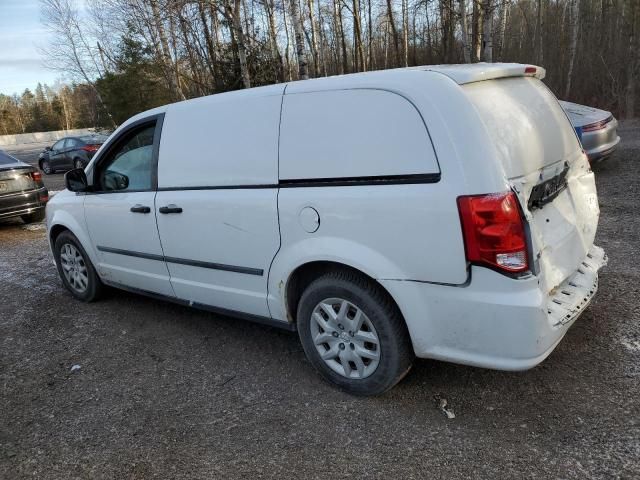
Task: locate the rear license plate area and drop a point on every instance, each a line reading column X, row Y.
column 548, row 190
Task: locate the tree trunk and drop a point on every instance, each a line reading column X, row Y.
column 574, row 25
column 487, row 31
column 357, row 34
column 273, row 40
column 394, row 31
column 405, row 33
column 343, row 41
column 634, row 64
column 540, row 35
column 242, row 49
column 476, row 28
column 314, row 42
column 303, row 72
column 169, row 67
column 503, row 27
column 466, row 48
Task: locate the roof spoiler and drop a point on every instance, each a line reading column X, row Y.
column 479, row 72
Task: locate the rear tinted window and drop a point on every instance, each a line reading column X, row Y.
column 6, row 159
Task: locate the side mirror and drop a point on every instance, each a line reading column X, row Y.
column 76, row 180
column 47, row 149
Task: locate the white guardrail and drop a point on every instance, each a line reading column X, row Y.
column 41, row 137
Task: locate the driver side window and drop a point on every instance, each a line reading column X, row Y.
column 59, row 145
column 130, row 165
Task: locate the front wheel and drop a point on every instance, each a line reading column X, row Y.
column 46, row 167
column 353, row 333
column 75, row 269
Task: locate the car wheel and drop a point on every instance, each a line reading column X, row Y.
column 75, row 269
column 77, row 163
column 45, row 166
column 353, row 333
column 33, row 217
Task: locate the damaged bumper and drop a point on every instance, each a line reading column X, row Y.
column 495, row 321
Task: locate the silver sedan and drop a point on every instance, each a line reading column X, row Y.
column 596, row 128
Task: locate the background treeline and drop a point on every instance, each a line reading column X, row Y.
column 45, row 109
column 131, row 55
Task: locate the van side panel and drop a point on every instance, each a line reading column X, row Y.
column 228, row 139
column 403, row 232
column 214, row 152
column 352, row 133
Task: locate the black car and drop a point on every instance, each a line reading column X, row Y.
column 22, row 193
column 70, row 152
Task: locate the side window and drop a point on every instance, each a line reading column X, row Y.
column 129, row 166
column 71, row 143
column 59, row 145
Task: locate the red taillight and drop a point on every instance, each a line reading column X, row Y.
column 592, row 127
column 494, row 231
column 44, row 197
column 91, row 148
column 36, row 176
column 530, row 70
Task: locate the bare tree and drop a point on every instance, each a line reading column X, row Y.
column 303, row 72
column 71, row 53
column 464, row 32
column 574, row 26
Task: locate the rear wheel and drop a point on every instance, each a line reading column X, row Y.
column 77, row 163
column 75, row 269
column 353, row 333
column 45, row 166
column 33, row 217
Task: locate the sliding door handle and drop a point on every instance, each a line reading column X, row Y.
column 171, row 208
column 137, row 208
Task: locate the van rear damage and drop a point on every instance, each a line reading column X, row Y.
column 533, row 262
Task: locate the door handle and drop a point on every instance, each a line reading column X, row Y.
column 171, row 208
column 137, row 208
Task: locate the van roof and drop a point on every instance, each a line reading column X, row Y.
column 461, row 74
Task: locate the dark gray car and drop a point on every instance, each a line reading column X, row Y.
column 22, row 193
column 70, row 152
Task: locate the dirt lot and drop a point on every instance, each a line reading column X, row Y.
column 165, row 391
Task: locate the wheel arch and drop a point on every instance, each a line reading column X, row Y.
column 62, row 221
column 302, row 276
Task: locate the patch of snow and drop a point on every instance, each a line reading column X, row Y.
column 34, row 227
column 631, row 345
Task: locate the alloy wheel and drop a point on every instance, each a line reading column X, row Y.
column 345, row 338
column 74, row 268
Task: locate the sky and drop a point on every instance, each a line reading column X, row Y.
column 21, row 33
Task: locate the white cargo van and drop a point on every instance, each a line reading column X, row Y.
column 443, row 212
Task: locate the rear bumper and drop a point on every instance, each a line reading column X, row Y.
column 600, row 144
column 603, row 152
column 22, row 203
column 494, row 321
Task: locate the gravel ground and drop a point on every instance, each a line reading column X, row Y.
column 165, row 391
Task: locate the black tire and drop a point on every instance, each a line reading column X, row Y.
column 77, row 163
column 45, row 166
column 94, row 286
column 33, row 217
column 396, row 352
